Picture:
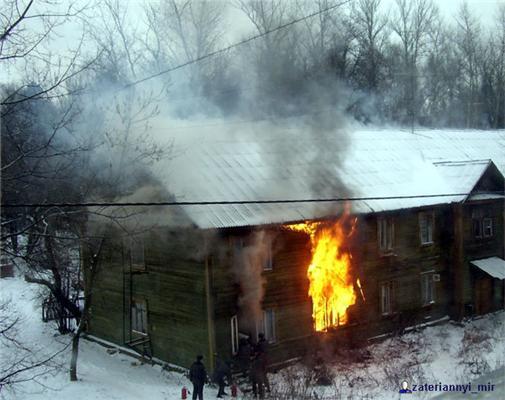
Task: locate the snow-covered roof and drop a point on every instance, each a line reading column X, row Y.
column 494, row 266
column 462, row 176
column 289, row 164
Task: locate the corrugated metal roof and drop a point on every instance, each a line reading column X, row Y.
column 364, row 163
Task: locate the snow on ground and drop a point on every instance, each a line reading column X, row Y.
column 447, row 354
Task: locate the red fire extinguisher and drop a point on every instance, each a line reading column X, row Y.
column 233, row 390
column 184, row 393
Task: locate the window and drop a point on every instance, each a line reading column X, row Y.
column 385, row 229
column 137, row 256
column 482, row 226
column 268, row 264
column 476, row 227
column 139, row 316
column 427, row 289
column 387, row 293
column 487, row 227
column 268, row 325
column 234, row 335
column 426, row 227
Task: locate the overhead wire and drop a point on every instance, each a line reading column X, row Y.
column 235, row 202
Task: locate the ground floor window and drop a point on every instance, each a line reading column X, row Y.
column 267, row 325
column 427, row 289
column 139, row 316
column 387, row 297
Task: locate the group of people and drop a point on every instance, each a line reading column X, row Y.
column 252, row 359
column 198, row 376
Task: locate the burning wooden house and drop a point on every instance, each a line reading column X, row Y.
column 422, row 238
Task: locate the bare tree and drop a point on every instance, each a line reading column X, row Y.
column 185, row 30
column 26, row 29
column 372, row 34
column 469, row 45
column 412, row 25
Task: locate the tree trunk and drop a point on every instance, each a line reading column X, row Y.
column 75, row 354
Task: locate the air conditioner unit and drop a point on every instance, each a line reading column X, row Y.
column 436, row 277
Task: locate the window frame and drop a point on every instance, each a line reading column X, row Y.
column 390, row 286
column 268, row 262
column 483, row 230
column 270, row 334
column 389, row 229
column 134, row 313
column 429, row 218
column 427, row 288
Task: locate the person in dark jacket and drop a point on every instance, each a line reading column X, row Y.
column 257, row 378
column 262, row 345
column 245, row 353
column 197, row 376
column 262, row 355
column 222, row 370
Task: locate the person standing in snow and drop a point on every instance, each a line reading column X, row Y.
column 221, row 371
column 244, row 356
column 262, row 356
column 257, row 377
column 197, row 376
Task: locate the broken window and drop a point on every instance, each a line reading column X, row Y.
column 385, row 234
column 426, row 227
column 137, row 254
column 387, row 293
column 139, row 316
column 427, row 289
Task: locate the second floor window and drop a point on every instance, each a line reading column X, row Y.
column 385, row 228
column 137, row 256
column 268, row 264
column 426, row 227
column 481, row 226
column 487, row 227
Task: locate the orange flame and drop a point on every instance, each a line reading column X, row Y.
column 331, row 287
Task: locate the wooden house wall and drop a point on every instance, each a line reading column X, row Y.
column 483, row 247
column 173, row 287
column 404, row 265
column 175, row 284
column 286, row 292
column 286, row 287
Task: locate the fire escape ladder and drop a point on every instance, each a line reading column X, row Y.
column 140, row 343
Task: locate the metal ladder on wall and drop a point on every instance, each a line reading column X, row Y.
column 141, row 344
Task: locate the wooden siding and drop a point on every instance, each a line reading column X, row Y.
column 173, row 286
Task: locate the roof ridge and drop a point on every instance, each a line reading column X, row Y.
column 463, row 162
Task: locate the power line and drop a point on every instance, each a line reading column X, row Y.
column 237, row 44
column 232, row 202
